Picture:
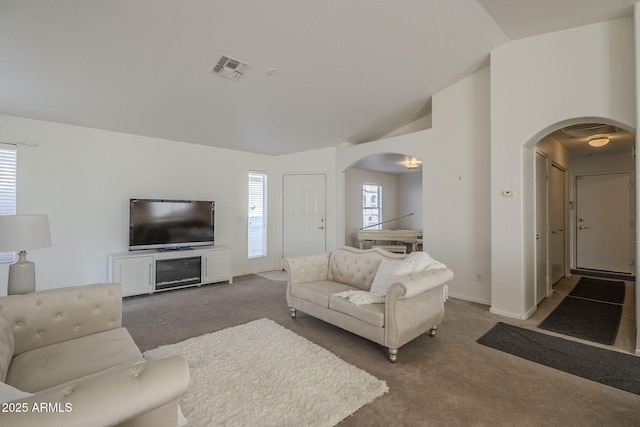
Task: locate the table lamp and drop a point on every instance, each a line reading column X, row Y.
column 18, row 233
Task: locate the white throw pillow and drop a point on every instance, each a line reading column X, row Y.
column 388, row 273
column 9, row 393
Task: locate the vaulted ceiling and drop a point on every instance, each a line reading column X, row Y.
column 319, row 73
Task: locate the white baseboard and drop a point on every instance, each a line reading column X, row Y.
column 523, row 316
column 493, row 310
column 466, row 298
column 530, row 312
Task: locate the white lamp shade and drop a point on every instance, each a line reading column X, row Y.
column 24, row 232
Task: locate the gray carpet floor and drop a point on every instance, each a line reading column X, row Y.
column 447, row 380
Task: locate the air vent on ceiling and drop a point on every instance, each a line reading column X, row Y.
column 585, row 130
column 230, row 68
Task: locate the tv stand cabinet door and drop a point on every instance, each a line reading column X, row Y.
column 216, row 266
column 135, row 274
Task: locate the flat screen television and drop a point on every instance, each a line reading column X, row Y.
column 170, row 224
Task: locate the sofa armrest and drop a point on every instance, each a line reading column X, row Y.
column 105, row 400
column 47, row 317
column 306, row 268
column 415, row 305
column 424, row 281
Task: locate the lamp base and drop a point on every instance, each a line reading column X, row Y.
column 22, row 276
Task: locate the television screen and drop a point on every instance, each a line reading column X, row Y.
column 170, row 224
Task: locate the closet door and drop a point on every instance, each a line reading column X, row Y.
column 542, row 228
column 557, row 222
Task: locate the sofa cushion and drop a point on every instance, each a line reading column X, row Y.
column 370, row 313
column 7, row 346
column 353, row 268
column 56, row 364
column 318, row 292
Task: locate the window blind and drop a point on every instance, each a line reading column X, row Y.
column 372, row 206
column 8, row 162
column 257, row 215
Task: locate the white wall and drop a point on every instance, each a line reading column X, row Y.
column 410, row 201
column 422, row 123
column 538, row 85
column 457, row 185
column 83, row 179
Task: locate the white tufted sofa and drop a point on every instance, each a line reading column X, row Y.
column 68, row 361
column 412, row 306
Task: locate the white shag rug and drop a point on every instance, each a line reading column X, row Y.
column 262, row 374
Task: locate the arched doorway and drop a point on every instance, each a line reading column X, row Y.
column 591, row 177
column 379, row 188
column 569, row 155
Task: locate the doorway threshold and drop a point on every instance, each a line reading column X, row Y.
column 604, row 274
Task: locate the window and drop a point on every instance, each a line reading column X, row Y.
column 371, row 205
column 8, row 160
column 257, row 216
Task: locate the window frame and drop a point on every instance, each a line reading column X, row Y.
column 257, row 197
column 370, row 206
column 8, row 188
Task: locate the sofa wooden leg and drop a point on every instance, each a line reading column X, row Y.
column 293, row 312
column 433, row 331
column 393, row 355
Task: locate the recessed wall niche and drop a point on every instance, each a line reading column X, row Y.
column 400, row 176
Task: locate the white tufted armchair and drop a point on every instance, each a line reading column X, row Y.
column 66, row 360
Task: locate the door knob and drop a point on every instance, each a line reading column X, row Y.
column 582, row 227
column 321, row 227
column 580, row 220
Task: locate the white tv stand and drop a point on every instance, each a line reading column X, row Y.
column 146, row 272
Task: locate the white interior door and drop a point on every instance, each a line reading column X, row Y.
column 557, row 222
column 603, row 222
column 304, row 224
column 541, row 213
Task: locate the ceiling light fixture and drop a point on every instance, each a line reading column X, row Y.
column 412, row 163
column 598, row 142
